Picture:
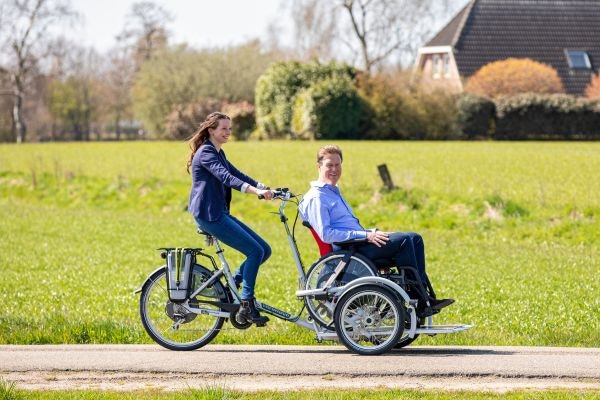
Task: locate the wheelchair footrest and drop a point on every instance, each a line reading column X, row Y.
column 435, row 329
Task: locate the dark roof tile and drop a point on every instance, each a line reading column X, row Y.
column 490, row 30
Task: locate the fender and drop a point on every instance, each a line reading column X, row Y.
column 138, row 290
column 370, row 280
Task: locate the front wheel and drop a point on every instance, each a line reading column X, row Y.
column 369, row 319
column 173, row 326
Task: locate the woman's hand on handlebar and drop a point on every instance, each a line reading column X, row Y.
column 264, row 194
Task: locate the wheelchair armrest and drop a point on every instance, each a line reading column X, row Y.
column 350, row 242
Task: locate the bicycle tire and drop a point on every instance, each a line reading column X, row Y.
column 160, row 316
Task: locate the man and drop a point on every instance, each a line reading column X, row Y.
column 331, row 217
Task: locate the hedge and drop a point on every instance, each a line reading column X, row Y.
column 556, row 117
column 476, row 116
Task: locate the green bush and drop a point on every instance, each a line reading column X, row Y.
column 556, row 117
column 277, row 87
column 476, row 116
column 329, row 109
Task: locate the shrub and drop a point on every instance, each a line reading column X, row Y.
column 439, row 113
column 513, row 76
column 402, row 109
column 476, row 116
column 329, row 109
column 279, row 84
column 184, row 119
column 592, row 90
column 396, row 114
column 557, row 116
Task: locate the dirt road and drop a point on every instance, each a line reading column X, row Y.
column 129, row 367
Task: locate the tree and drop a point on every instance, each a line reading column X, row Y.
column 75, row 71
column 592, row 90
column 372, row 31
column 24, row 30
column 513, row 76
column 71, row 103
column 180, row 76
column 116, row 87
column 314, row 26
column 146, row 28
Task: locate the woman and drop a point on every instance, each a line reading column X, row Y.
column 213, row 177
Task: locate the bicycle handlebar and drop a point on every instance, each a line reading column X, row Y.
column 279, row 193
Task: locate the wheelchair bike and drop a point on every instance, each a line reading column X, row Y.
column 370, row 306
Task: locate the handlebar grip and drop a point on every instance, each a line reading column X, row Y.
column 276, row 192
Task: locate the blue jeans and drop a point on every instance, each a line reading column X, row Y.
column 404, row 248
column 235, row 234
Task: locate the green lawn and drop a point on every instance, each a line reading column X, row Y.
column 372, row 394
column 511, row 231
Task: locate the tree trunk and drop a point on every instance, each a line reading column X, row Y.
column 17, row 114
column 118, row 126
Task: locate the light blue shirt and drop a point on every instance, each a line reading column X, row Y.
column 329, row 214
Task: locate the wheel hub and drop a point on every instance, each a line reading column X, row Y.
column 178, row 313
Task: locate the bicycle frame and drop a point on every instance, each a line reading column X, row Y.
column 225, row 271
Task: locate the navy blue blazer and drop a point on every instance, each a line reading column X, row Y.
column 213, row 177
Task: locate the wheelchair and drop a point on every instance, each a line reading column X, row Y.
column 326, row 273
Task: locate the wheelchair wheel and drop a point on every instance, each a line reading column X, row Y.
column 321, row 308
column 369, row 319
column 170, row 324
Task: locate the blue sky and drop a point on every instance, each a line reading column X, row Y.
column 201, row 23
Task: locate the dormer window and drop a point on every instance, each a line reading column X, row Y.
column 446, row 60
column 578, row 59
column 435, row 68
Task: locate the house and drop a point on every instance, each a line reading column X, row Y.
column 562, row 33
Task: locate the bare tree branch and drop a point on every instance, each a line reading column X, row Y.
column 25, row 31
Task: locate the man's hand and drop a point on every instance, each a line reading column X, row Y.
column 377, row 237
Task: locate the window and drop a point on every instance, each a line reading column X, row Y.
column 578, row 59
column 446, row 59
column 435, row 68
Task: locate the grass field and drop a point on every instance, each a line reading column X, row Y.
column 512, row 232
column 8, row 392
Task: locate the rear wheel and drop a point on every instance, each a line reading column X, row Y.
column 172, row 325
column 369, row 320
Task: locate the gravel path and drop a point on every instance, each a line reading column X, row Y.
column 130, row 367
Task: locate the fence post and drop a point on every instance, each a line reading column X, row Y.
column 385, row 176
